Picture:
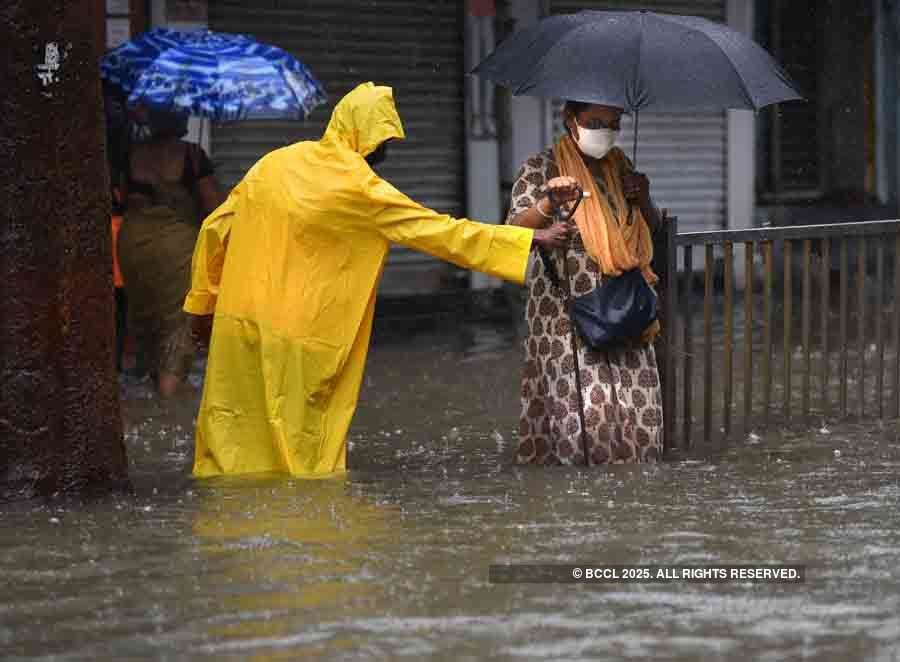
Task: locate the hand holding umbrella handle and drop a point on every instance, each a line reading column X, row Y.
column 565, row 214
column 561, row 212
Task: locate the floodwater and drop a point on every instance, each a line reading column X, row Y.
column 391, row 561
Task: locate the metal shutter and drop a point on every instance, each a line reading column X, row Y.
column 416, row 48
column 684, row 154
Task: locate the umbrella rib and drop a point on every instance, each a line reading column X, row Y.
column 744, row 88
column 540, row 61
column 637, row 68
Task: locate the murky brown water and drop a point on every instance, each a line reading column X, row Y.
column 391, row 562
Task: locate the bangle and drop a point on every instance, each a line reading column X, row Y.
column 540, row 211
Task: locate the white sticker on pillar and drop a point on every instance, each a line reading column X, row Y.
column 47, row 71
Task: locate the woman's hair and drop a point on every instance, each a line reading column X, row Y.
column 148, row 123
column 574, row 107
column 168, row 124
column 571, row 109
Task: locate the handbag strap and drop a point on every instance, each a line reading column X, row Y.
column 581, row 417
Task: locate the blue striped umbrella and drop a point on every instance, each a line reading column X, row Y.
column 223, row 77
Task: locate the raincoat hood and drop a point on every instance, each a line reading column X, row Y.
column 365, row 118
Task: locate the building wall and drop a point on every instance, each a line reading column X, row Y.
column 842, row 52
column 118, row 20
column 847, row 100
column 887, row 29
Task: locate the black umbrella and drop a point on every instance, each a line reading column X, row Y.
column 637, row 61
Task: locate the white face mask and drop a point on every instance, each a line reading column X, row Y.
column 596, row 142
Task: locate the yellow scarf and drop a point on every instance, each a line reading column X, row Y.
column 609, row 239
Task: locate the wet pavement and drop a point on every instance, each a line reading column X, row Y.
column 391, row 561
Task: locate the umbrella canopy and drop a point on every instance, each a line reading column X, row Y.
column 212, row 74
column 639, row 61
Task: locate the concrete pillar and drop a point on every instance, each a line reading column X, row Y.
column 846, row 28
column 482, row 145
column 60, row 424
column 527, row 132
column 529, row 126
column 741, row 173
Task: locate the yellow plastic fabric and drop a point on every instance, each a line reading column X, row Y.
column 289, row 264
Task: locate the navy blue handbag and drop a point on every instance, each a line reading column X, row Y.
column 618, row 310
column 614, row 313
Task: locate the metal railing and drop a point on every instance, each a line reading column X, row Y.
column 748, row 325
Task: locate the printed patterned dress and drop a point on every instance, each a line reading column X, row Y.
column 620, row 388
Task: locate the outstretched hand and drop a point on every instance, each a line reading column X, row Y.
column 636, row 187
column 556, row 236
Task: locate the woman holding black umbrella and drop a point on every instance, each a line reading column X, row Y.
column 607, row 401
column 638, row 61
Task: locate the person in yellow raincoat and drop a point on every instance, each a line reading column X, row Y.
column 289, row 267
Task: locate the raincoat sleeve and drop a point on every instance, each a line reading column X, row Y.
column 208, row 260
column 498, row 250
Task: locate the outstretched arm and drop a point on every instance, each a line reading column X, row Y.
column 498, row 250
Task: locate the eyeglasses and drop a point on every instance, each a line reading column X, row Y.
column 600, row 124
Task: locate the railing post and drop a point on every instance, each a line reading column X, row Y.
column 668, row 294
column 708, row 277
column 670, row 307
column 688, row 350
column 767, row 332
column 728, row 367
column 895, row 327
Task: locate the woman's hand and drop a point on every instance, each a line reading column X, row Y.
column 556, row 236
column 636, row 187
column 565, row 192
column 563, row 189
column 559, row 191
column 201, row 329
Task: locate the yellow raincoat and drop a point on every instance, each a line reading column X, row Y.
column 290, row 264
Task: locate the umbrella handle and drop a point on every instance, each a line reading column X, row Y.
column 566, row 215
column 562, row 213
